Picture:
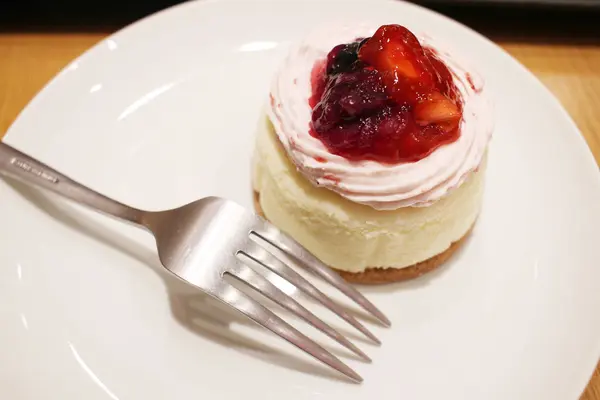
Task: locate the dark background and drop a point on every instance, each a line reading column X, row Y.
column 546, row 20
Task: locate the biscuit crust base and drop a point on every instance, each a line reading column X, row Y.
column 375, row 276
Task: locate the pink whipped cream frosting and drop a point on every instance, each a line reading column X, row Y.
column 381, row 186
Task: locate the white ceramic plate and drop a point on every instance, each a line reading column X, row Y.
column 164, row 112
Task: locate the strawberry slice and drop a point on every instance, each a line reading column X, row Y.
column 397, row 54
column 437, row 109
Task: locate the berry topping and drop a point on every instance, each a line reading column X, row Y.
column 384, row 98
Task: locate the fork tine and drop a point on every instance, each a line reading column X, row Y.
column 283, row 242
column 268, row 319
column 264, row 286
column 268, row 260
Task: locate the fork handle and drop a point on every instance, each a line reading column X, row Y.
column 27, row 169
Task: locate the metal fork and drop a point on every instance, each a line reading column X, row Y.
column 206, row 240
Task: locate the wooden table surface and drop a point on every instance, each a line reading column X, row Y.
column 571, row 72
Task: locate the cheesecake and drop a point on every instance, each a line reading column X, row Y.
column 371, row 150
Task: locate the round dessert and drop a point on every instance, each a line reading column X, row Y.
column 372, row 151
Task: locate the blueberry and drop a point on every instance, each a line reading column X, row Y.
column 343, row 57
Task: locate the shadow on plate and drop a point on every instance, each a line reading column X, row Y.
column 194, row 310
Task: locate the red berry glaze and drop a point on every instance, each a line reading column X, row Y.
column 384, row 98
